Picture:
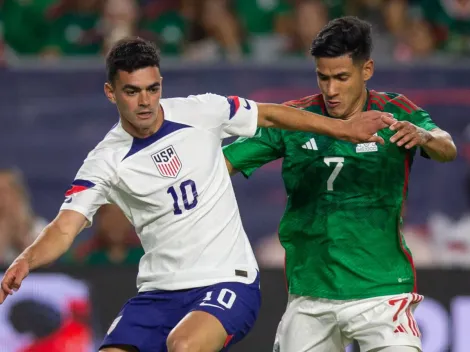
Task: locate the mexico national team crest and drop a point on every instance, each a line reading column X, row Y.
column 367, row 147
column 167, row 162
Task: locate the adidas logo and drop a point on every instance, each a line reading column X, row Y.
column 400, row 328
column 311, row 145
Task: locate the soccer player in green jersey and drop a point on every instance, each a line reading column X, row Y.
column 350, row 273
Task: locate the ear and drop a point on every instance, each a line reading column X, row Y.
column 109, row 92
column 368, row 70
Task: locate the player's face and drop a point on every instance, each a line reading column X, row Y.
column 137, row 96
column 342, row 83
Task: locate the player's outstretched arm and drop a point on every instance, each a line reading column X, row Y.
column 437, row 144
column 54, row 240
column 358, row 129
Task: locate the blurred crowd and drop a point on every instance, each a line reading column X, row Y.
column 227, row 29
column 112, row 241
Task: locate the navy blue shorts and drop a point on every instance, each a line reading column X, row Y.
column 146, row 320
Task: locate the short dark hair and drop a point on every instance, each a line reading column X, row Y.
column 344, row 36
column 130, row 54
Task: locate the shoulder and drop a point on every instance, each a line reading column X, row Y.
column 192, row 100
column 195, row 108
column 393, row 102
column 111, row 149
column 305, row 102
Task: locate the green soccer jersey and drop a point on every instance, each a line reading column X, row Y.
column 341, row 229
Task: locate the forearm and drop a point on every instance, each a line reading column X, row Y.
column 52, row 243
column 287, row 118
column 440, row 146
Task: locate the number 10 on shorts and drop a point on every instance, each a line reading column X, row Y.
column 226, row 298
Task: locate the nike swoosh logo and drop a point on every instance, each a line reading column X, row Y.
column 211, row 305
column 247, row 106
column 68, row 200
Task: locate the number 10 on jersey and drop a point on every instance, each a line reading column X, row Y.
column 187, row 202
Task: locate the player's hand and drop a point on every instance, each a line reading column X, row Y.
column 363, row 127
column 13, row 278
column 409, row 135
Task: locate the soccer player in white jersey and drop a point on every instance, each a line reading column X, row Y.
column 162, row 164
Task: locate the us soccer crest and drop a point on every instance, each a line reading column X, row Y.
column 167, row 161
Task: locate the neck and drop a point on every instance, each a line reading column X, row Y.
column 358, row 106
column 137, row 132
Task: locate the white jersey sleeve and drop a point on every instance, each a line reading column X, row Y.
column 225, row 116
column 91, row 186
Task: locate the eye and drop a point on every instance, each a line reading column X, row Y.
column 154, row 90
column 343, row 78
column 322, row 78
column 130, row 92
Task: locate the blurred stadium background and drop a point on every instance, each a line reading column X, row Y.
column 53, row 111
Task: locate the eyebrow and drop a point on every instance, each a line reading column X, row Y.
column 344, row 73
column 130, row 86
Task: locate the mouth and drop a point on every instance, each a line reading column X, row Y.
column 332, row 103
column 145, row 114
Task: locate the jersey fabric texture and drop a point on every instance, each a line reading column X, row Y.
column 341, row 229
column 175, row 189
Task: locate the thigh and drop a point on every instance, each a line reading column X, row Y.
column 143, row 324
column 309, row 325
column 386, row 321
column 235, row 306
column 197, row 331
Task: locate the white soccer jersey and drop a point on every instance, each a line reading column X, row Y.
column 175, row 189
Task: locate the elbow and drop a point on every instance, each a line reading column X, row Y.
column 449, row 155
column 452, row 153
column 444, row 150
column 63, row 234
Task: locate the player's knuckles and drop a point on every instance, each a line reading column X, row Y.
column 410, row 129
column 5, row 287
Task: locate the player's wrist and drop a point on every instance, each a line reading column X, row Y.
column 340, row 129
column 27, row 257
column 426, row 137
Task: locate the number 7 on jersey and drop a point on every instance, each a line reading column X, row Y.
column 339, row 165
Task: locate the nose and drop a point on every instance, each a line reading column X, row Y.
column 332, row 89
column 144, row 99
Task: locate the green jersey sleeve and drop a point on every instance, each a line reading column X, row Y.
column 248, row 154
column 422, row 119
column 418, row 117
